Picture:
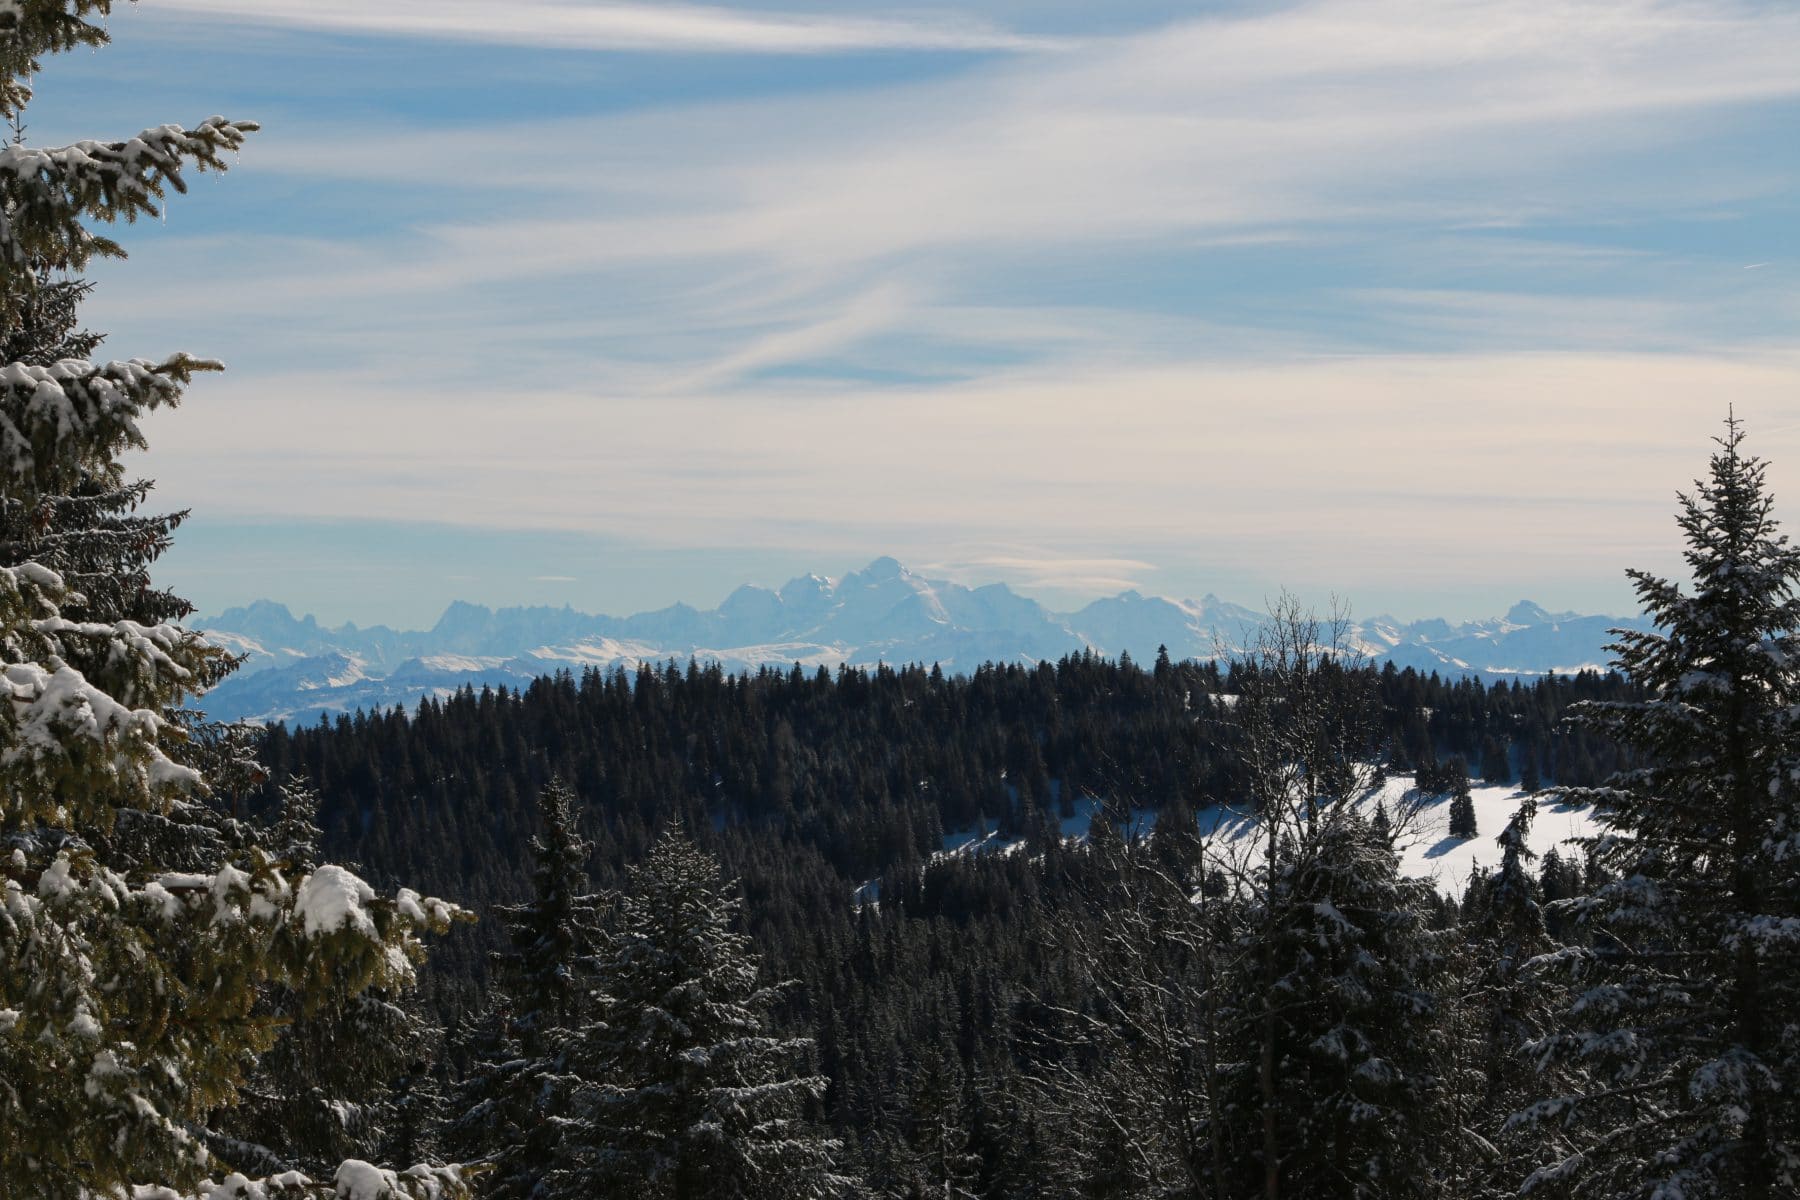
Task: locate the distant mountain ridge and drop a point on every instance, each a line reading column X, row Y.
column 296, row 669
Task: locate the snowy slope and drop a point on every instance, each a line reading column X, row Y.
column 1436, row 855
column 1428, row 850
column 1426, row 846
column 1428, row 853
column 295, row 668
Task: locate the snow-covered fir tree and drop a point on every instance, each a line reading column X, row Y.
column 1343, row 1096
column 935, row 1160
column 508, row 1108
column 1334, row 1088
column 1680, row 1050
column 94, row 535
column 327, row 1089
column 1462, row 810
column 686, row 1092
column 1496, row 1009
column 128, row 988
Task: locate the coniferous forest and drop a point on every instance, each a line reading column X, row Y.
column 884, row 932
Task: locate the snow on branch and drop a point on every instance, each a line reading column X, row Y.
column 57, row 421
column 60, row 724
column 30, row 29
column 46, row 194
column 354, row 1180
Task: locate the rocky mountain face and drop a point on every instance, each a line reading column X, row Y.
column 295, row 669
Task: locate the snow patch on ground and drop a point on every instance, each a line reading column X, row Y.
column 1434, row 854
column 1427, row 850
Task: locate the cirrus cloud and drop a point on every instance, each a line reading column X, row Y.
column 587, row 25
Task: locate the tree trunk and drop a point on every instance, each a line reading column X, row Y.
column 1271, row 1133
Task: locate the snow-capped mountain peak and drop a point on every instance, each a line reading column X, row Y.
column 884, row 612
column 1526, row 613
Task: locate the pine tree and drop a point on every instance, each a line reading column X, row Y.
column 128, row 987
column 418, row 1104
column 1496, row 764
column 92, row 534
column 1348, row 1027
column 519, row 1088
column 93, row 537
column 325, row 1090
column 1131, row 1101
column 686, row 1093
column 937, row 1163
column 1462, row 810
column 1531, row 779
column 1335, row 1008
column 1499, row 1008
column 1680, row 1049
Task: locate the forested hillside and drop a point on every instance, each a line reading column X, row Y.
column 822, row 791
column 849, row 776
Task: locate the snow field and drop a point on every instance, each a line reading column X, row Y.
column 1426, row 848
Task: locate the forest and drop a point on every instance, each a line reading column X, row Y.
column 688, row 934
column 934, row 1008
column 855, row 777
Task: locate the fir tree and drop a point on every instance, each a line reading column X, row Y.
column 1531, row 779
column 937, row 1163
column 1348, row 1028
column 1681, row 1045
column 1334, row 1010
column 418, row 1104
column 1462, row 810
column 1496, row 764
column 1133, row 1098
column 325, row 1091
column 510, row 1105
column 686, row 1093
column 128, row 987
column 1498, row 1008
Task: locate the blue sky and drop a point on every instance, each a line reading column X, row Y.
column 1430, row 306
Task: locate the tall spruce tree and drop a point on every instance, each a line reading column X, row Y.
column 686, row 1092
column 509, row 1106
column 326, row 1090
column 128, row 988
column 1335, row 1009
column 1462, row 810
column 1680, row 1050
column 1498, row 1008
column 935, row 1161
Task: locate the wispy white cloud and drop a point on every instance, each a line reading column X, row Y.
column 1396, row 471
column 598, row 25
column 1537, row 321
column 1324, row 121
column 844, row 325
column 1059, row 266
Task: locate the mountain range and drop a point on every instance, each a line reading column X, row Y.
column 295, row 669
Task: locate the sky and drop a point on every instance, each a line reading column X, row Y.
column 1427, row 306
